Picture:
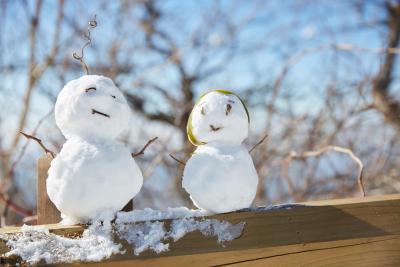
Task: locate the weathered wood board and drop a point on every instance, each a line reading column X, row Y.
column 349, row 232
column 46, row 211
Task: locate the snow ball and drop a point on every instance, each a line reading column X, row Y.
column 219, row 116
column 91, row 106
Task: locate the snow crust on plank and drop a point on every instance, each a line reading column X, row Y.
column 153, row 215
column 36, row 244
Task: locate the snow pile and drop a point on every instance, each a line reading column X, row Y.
column 35, row 243
column 141, row 229
column 223, row 230
column 144, row 236
column 153, row 235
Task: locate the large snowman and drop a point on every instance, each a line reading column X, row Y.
column 220, row 175
column 94, row 175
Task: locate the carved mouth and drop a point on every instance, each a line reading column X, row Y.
column 100, row 113
column 214, row 129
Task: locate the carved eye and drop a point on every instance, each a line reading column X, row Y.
column 228, row 109
column 90, row 88
column 113, row 96
column 202, row 109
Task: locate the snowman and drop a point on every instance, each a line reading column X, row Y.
column 220, row 175
column 93, row 176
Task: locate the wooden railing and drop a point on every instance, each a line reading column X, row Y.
column 344, row 232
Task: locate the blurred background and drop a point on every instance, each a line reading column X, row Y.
column 321, row 78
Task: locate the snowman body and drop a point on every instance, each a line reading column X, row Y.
column 93, row 176
column 220, row 175
column 221, row 178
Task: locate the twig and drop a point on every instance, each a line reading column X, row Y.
column 14, row 207
column 177, row 160
column 24, row 147
column 40, row 143
column 92, row 24
column 141, row 152
column 316, row 153
column 259, row 143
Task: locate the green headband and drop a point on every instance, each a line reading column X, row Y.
column 189, row 130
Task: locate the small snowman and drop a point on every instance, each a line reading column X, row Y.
column 220, row 175
column 93, row 176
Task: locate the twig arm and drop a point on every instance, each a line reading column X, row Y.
column 39, row 141
column 141, row 152
column 259, row 143
column 177, row 160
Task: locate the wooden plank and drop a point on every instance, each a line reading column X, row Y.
column 46, row 211
column 308, row 235
column 354, row 252
column 342, row 201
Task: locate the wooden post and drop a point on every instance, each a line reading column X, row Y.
column 46, row 211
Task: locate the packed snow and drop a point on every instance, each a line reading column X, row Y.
column 223, row 230
column 220, row 175
column 219, row 116
column 93, row 176
column 36, row 243
column 155, row 215
column 83, row 105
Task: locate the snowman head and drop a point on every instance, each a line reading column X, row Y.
column 219, row 116
column 91, row 107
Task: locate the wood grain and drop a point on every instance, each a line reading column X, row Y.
column 352, row 232
column 46, row 211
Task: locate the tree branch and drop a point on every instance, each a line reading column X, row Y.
column 317, row 153
column 382, row 100
column 141, row 152
column 39, row 141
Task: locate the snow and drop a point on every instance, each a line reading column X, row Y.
column 76, row 102
column 144, row 236
column 220, row 175
column 225, row 113
column 93, row 176
column 92, row 180
column 153, row 215
column 220, row 178
column 36, row 243
column 223, row 230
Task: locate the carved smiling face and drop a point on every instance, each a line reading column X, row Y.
column 219, row 116
column 91, row 106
